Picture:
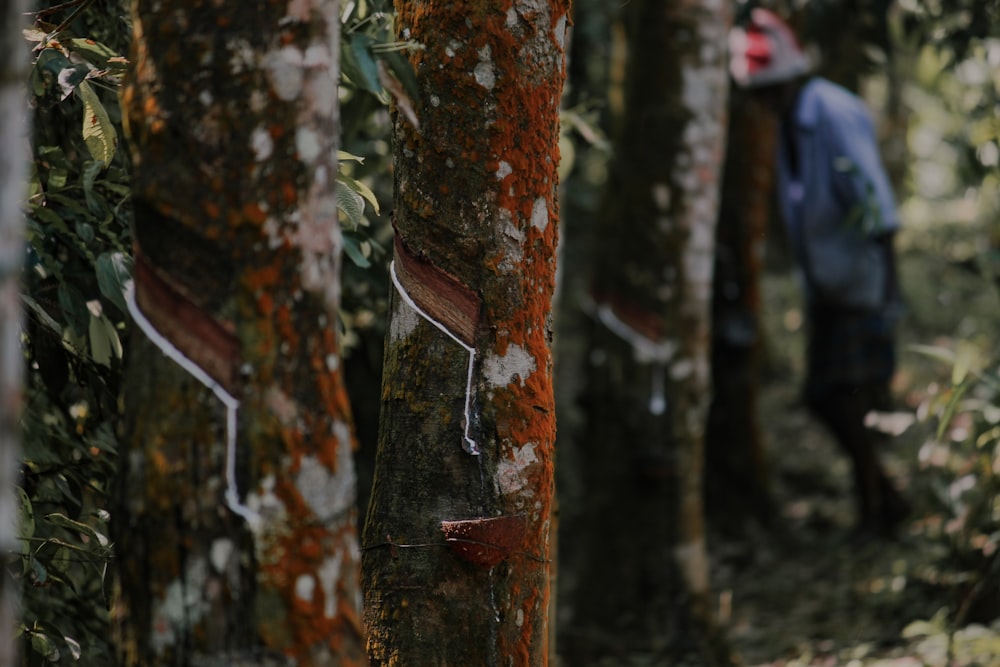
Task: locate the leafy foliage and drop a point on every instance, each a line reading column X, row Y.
column 78, row 218
column 374, row 72
column 966, row 457
column 958, row 46
column 955, row 25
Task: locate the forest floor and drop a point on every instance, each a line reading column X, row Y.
column 802, row 594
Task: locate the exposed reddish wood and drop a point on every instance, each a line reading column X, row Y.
column 208, row 342
column 438, row 293
column 639, row 319
column 486, row 541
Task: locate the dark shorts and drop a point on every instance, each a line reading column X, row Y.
column 848, row 348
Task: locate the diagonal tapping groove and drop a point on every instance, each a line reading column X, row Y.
column 447, row 304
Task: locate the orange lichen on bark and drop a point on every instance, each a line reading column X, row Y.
column 300, row 553
column 286, row 325
column 524, row 135
column 265, row 302
column 289, row 192
column 533, row 158
column 500, row 149
column 262, row 278
column 252, row 212
column 211, row 208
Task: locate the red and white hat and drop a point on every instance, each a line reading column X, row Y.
column 765, row 52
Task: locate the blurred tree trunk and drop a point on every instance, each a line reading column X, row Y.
column 589, row 77
column 457, row 538
column 737, row 484
column 14, row 159
column 642, row 578
column 236, row 519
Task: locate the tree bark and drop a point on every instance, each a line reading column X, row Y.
column 642, row 584
column 13, row 162
column 457, row 537
column 737, row 482
column 235, row 527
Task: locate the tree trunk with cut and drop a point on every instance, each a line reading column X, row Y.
column 457, row 538
column 641, row 583
column 235, row 526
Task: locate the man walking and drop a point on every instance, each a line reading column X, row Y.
column 840, row 214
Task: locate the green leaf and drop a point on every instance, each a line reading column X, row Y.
column 52, row 60
column 74, row 647
column 40, row 572
column 71, row 78
column 85, row 231
column 400, row 65
column 352, row 248
column 53, row 156
column 351, row 204
column 360, row 188
column 98, row 132
column 91, row 170
column 69, row 488
column 117, row 188
column 57, row 178
column 104, row 342
column 43, row 316
column 359, row 63
column 49, row 64
column 951, row 408
column 48, row 217
column 344, row 156
column 70, row 203
column 113, row 272
column 27, row 527
column 64, row 521
column 939, row 353
column 45, row 647
column 92, row 51
column 966, row 361
column 74, row 308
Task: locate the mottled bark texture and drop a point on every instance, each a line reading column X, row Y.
column 736, row 477
column 641, row 574
column 457, row 537
column 235, row 527
column 13, row 162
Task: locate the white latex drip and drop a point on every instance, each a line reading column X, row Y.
column 232, row 404
column 469, row 444
column 646, row 351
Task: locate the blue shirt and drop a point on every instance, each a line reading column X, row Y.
column 836, row 198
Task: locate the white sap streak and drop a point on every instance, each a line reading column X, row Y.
column 231, row 402
column 658, row 397
column 646, row 351
column 470, row 445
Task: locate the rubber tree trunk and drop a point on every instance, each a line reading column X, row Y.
column 457, row 538
column 13, row 163
column 737, row 479
column 642, row 570
column 235, row 528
